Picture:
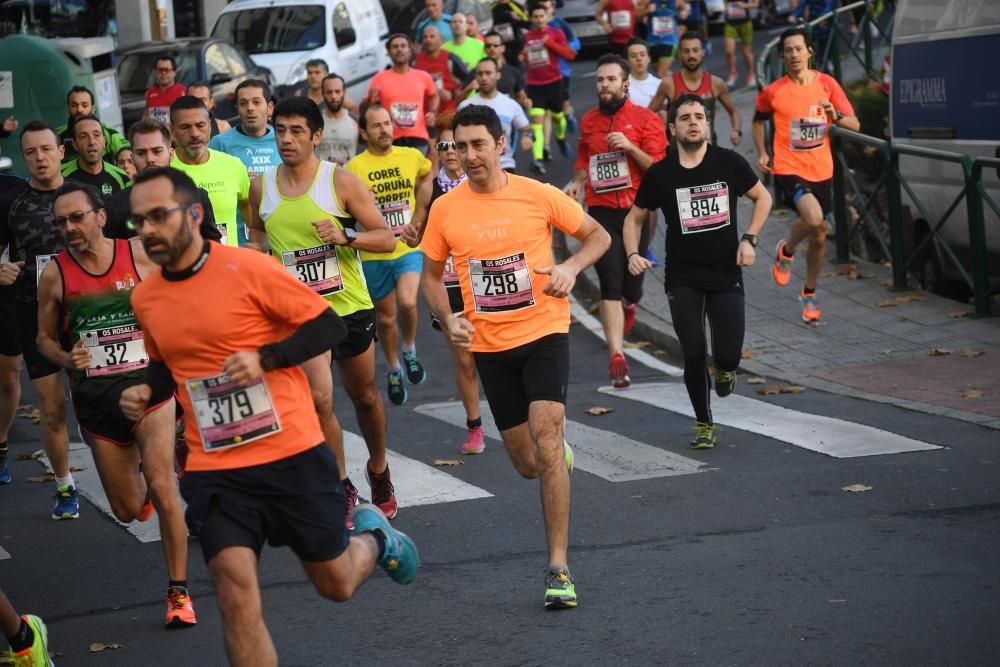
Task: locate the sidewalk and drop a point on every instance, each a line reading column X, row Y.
column 859, row 349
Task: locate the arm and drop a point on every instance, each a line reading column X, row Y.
column 594, row 242
column 560, row 49
column 255, row 225
column 761, row 198
column 599, row 15
column 617, row 141
column 310, row 340
column 763, row 159
column 414, row 232
column 735, row 121
column 631, row 229
column 375, row 236
column 158, row 386
column 49, row 299
column 664, row 92
column 576, row 186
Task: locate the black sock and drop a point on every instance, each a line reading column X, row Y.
column 473, row 423
column 23, row 639
column 346, row 482
column 808, row 290
column 3, row 449
column 178, row 583
column 379, row 541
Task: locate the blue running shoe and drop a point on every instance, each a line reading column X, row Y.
column 397, row 392
column 400, row 559
column 415, row 372
column 5, row 477
column 571, row 125
column 67, row 503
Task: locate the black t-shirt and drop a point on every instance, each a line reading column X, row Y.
column 27, row 226
column 511, row 80
column 699, row 206
column 119, row 208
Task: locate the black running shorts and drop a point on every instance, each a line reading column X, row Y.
column 789, row 189
column 37, row 364
column 547, row 96
column 360, row 334
column 612, row 268
column 10, row 345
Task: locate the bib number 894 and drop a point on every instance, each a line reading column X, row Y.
column 704, row 207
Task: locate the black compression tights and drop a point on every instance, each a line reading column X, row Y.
column 689, row 308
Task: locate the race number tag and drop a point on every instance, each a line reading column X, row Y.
column 450, row 278
column 397, row 215
column 224, row 230
column 501, row 284
column 538, row 55
column 160, row 114
column 609, row 172
column 663, row 26
column 404, row 115
column 438, row 80
column 317, row 267
column 229, row 415
column 703, row 207
column 807, row 134
column 621, row 19
column 41, row 261
column 735, row 12
column 115, row 350
column 506, row 31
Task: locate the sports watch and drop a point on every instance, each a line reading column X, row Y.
column 350, row 234
column 750, row 238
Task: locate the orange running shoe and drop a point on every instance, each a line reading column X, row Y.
column 810, row 308
column 147, row 509
column 781, row 271
column 180, row 610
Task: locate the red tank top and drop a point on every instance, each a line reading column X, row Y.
column 120, row 276
column 621, row 16
column 704, row 90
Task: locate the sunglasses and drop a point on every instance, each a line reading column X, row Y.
column 443, row 146
column 493, row 45
column 76, row 217
column 156, row 217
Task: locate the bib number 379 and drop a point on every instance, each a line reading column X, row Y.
column 229, row 415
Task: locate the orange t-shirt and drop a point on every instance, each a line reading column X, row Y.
column 801, row 141
column 238, row 300
column 497, row 241
column 404, row 96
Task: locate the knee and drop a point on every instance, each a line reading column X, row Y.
column 409, row 308
column 234, row 592
column 335, row 590
column 365, row 397
column 526, row 469
column 53, row 412
column 322, row 403
column 163, row 491
column 10, row 383
column 125, row 512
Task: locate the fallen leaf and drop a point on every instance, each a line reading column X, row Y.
column 959, row 313
column 938, row 352
column 971, row 393
column 886, row 283
column 97, row 647
column 859, row 276
column 846, row 269
column 638, row 344
column 910, row 297
column 24, row 457
column 658, row 352
column 770, row 390
column 42, row 479
column 828, row 274
column 969, row 354
column 448, row 462
column 593, row 308
column 856, row 488
column 792, row 389
column 748, row 354
column 75, row 469
column 598, row 410
column 888, row 303
column 756, row 380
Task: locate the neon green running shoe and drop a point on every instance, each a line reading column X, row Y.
column 725, row 382
column 560, row 591
column 36, row 655
column 704, row 437
column 568, row 456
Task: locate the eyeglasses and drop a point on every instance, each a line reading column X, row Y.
column 493, row 45
column 76, row 217
column 443, row 146
column 164, row 69
column 156, row 217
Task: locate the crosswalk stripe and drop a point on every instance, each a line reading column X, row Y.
column 415, row 483
column 608, row 455
column 593, row 325
column 826, row 435
column 4, row 555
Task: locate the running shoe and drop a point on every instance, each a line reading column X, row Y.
column 180, row 610
column 475, row 441
column 618, row 371
column 810, row 307
column 397, row 392
column 383, row 493
column 400, row 559
column 67, row 503
column 781, row 271
column 547, row 154
column 651, row 256
column 571, row 124
column 629, row 310
column 704, row 435
column 147, row 509
column 351, row 497
column 560, row 591
column 731, row 79
column 415, row 372
column 725, row 382
column 563, row 146
column 751, row 81
column 5, row 477
column 568, row 457
column 36, row 655
column 538, row 167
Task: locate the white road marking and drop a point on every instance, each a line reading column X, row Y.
column 608, row 455
column 826, row 435
column 593, row 325
column 4, row 555
column 415, row 483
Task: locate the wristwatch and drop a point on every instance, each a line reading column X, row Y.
column 350, row 234
column 750, row 238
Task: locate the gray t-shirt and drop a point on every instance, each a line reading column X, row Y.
column 340, row 139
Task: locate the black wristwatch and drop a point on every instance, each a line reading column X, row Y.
column 350, row 234
column 750, row 238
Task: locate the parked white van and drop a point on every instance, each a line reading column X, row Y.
column 283, row 34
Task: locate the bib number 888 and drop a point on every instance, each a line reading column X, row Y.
column 607, row 171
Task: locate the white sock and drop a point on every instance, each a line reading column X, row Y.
column 395, row 368
column 410, row 348
column 62, row 481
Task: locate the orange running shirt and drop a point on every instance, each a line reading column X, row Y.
column 238, row 300
column 404, row 97
column 497, row 241
column 801, row 140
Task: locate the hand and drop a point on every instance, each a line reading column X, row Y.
column 430, row 117
column 764, row 163
column 9, row 272
column 573, row 189
column 134, row 401
column 735, row 136
column 827, row 105
column 617, row 141
column 9, row 124
column 373, row 96
column 527, row 141
column 460, row 332
column 561, row 280
column 637, row 264
column 445, row 95
column 243, row 367
column 329, row 232
column 79, row 356
column 745, row 254
column 410, row 235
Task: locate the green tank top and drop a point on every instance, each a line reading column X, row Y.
column 332, row 271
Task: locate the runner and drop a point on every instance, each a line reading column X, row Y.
column 308, row 212
column 27, row 636
column 692, row 78
column 28, row 228
column 617, row 17
column 511, row 78
column 641, row 84
column 619, row 141
column 79, row 103
column 662, row 32
column 566, row 120
column 316, row 70
column 450, row 75
column 226, row 328
column 696, row 21
column 435, row 18
column 408, row 94
column 469, row 49
column 161, row 97
column 516, row 319
column 90, row 166
column 10, row 348
column 802, row 104
column 203, row 91
column 447, row 179
column 83, row 300
column 340, row 131
column 510, row 21
column 510, row 112
column 739, row 26
column 393, row 174
column 224, row 177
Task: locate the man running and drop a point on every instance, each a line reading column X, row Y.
column 86, row 325
column 203, row 91
column 90, row 167
column 739, row 26
column 692, row 78
column 566, row 120
column 697, row 188
column 619, row 141
column 435, row 18
column 79, row 103
column 469, row 49
column 10, row 348
column 393, row 174
column 803, row 104
column 161, row 97
column 450, row 74
column 511, row 78
column 498, row 228
column 309, row 212
column 641, row 84
column 28, row 227
column 340, row 131
column 226, row 329
column 662, row 32
column 510, row 21
column 510, row 112
column 617, row 17
column 408, row 94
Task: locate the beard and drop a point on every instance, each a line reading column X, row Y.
column 692, row 68
column 166, row 252
column 334, row 108
column 691, row 145
column 611, row 106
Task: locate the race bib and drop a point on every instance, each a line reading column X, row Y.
column 501, row 284
column 41, row 261
column 807, row 134
column 609, row 172
column 115, row 350
column 397, row 215
column 160, row 114
column 733, row 11
column 404, row 115
column 538, row 55
column 703, row 207
column 229, row 415
column 506, row 31
column 317, row 267
column 663, row 26
column 225, row 233
column 621, row 19
column 450, row 278
column 438, row 80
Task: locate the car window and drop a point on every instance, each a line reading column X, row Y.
column 343, row 32
column 136, row 71
column 234, row 59
column 274, row 29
